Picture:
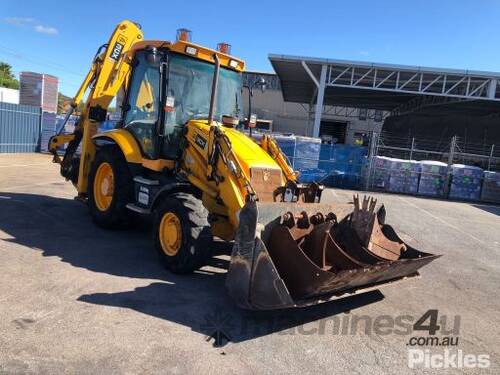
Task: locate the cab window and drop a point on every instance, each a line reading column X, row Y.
column 188, row 97
column 143, row 103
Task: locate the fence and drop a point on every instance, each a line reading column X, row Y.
column 19, row 128
column 438, row 168
column 484, row 155
column 434, row 168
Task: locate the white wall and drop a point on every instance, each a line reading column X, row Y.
column 9, row 95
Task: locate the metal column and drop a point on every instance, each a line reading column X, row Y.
column 319, row 101
column 451, row 155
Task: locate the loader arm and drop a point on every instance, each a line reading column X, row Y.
column 271, row 146
column 108, row 73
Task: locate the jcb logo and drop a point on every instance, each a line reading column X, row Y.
column 200, row 141
column 117, row 50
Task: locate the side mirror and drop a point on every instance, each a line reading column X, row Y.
column 252, row 121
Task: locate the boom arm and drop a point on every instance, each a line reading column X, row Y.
column 106, row 76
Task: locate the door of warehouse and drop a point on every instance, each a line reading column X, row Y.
column 335, row 129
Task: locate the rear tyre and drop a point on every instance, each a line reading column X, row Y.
column 110, row 188
column 182, row 235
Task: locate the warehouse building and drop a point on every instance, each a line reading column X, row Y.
column 340, row 124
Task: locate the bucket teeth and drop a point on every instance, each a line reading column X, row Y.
column 303, row 221
column 288, row 219
column 370, row 229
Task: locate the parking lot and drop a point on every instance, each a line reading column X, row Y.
column 79, row 299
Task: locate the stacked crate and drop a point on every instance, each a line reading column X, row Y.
column 307, row 152
column 38, row 90
column 48, row 129
column 432, row 178
column 306, row 159
column 381, row 172
column 41, row 90
column 403, row 176
column 287, row 145
column 466, row 182
column 491, row 187
column 342, row 164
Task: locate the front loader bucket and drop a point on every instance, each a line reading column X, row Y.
column 297, row 254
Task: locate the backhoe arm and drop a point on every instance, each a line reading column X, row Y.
column 110, row 68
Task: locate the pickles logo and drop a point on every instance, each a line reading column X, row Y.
column 117, row 50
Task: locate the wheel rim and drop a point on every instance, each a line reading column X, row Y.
column 104, row 186
column 170, row 233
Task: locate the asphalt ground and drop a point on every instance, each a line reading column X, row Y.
column 78, row 299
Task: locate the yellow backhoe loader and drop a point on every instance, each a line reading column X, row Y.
column 176, row 155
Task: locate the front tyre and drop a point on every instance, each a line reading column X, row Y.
column 110, row 188
column 182, row 235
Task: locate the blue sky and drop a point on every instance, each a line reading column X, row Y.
column 60, row 38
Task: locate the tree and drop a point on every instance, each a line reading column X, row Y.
column 7, row 78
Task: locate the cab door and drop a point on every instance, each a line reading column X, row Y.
column 142, row 105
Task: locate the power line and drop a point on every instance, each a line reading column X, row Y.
column 36, row 60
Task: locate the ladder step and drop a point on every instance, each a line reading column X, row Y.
column 146, row 181
column 142, row 211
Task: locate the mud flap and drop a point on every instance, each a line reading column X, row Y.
column 296, row 254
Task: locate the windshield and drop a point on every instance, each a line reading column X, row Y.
column 189, row 90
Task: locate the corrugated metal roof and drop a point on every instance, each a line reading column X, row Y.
column 387, row 87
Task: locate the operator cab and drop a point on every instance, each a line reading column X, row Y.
column 170, row 85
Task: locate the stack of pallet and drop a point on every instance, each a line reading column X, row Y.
column 381, row 172
column 403, row 176
column 343, row 164
column 491, row 187
column 38, row 90
column 432, row 178
column 48, row 129
column 307, row 152
column 41, row 90
column 466, row 182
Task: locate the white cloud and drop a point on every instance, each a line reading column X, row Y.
column 46, row 30
column 32, row 23
column 364, row 53
column 19, row 21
